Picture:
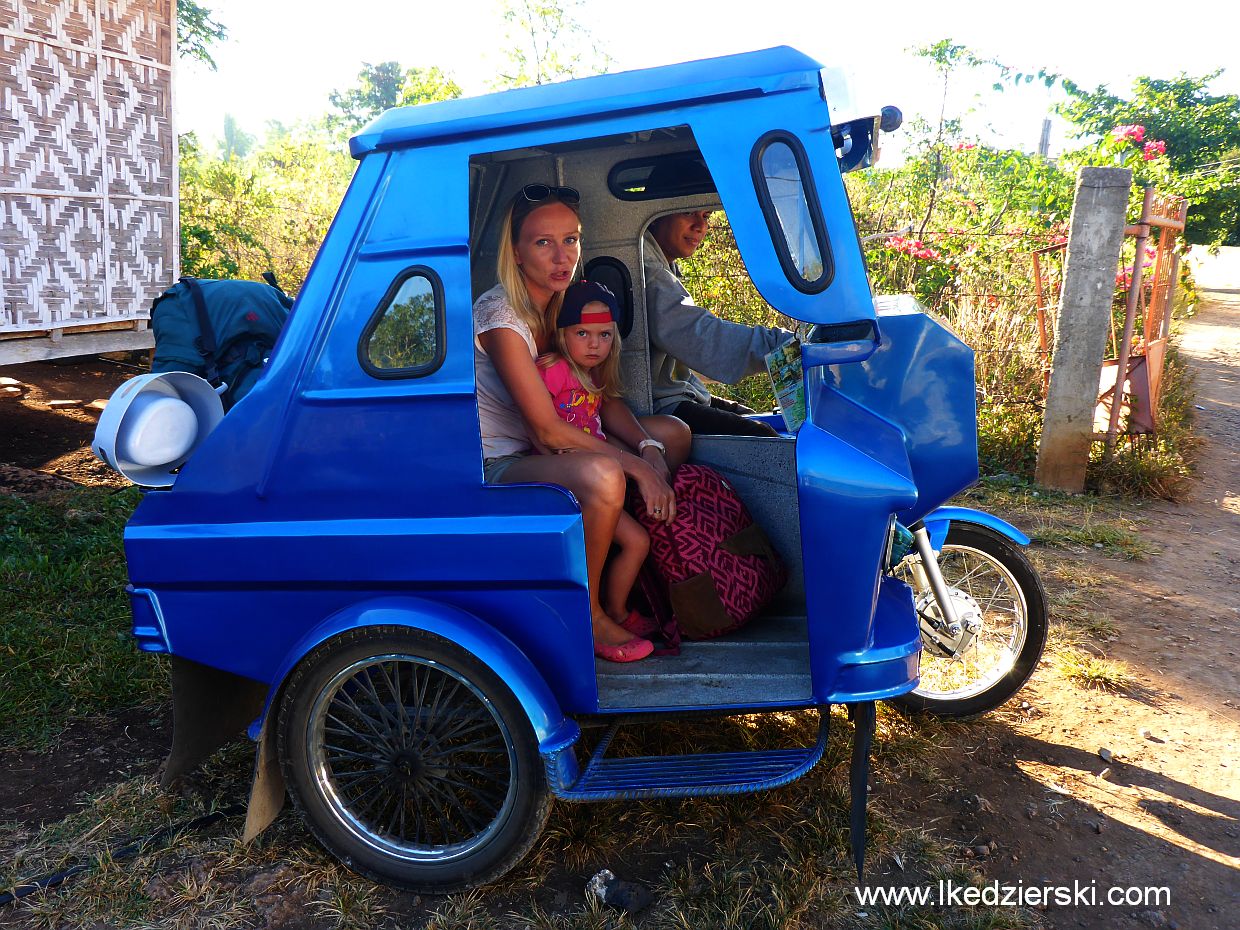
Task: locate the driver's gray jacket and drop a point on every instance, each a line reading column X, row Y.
column 684, row 338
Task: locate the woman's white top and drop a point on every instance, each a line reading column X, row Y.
column 499, row 421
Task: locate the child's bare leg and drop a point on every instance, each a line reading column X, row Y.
column 634, row 544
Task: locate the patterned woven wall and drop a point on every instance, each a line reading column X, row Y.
column 87, row 161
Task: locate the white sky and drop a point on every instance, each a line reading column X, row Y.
column 282, row 58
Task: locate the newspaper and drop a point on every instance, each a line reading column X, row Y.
column 788, row 380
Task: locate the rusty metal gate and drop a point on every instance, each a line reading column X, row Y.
column 1138, row 340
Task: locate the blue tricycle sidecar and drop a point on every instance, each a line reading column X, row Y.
column 421, row 639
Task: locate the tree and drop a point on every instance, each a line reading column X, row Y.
column 1177, row 136
column 383, row 86
column 197, row 32
column 546, row 43
column 236, row 142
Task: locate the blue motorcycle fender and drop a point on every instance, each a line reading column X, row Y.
column 938, row 522
column 484, row 642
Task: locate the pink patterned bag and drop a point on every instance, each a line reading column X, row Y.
column 716, row 566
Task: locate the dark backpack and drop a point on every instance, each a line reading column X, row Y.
column 220, row 330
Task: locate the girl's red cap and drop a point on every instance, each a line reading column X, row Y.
column 578, row 296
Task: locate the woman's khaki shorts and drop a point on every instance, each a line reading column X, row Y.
column 493, row 469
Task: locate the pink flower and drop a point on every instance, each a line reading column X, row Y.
column 965, row 146
column 914, row 248
column 1131, row 133
column 1153, row 149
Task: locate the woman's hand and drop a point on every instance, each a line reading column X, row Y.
column 655, row 491
column 654, row 458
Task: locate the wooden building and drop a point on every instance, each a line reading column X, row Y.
column 88, row 174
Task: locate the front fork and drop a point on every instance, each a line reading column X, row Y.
column 950, row 636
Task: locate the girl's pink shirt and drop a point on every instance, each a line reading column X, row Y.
column 573, row 403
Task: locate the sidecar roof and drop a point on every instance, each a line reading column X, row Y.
column 750, row 74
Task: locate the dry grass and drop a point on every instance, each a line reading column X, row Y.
column 779, row 859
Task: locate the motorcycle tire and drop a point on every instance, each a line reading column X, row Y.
column 997, row 577
column 411, row 761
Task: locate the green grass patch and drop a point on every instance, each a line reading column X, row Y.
column 1118, row 538
column 1092, row 672
column 65, row 649
column 1073, row 522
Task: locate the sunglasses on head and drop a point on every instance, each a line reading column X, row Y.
column 537, row 193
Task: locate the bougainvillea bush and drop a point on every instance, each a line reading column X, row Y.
column 956, row 225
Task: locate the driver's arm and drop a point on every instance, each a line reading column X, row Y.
column 719, row 349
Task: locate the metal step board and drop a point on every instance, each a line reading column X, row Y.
column 688, row 776
column 766, row 662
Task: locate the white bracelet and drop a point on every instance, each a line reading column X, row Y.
column 642, row 446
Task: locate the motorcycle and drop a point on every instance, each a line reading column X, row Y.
column 409, row 645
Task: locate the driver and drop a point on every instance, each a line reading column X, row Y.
column 684, row 338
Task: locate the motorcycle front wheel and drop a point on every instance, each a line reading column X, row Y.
column 989, row 576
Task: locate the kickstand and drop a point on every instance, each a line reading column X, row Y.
column 859, row 778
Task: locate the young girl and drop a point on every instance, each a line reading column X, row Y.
column 583, row 377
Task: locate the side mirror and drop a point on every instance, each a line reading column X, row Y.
column 890, row 119
column 153, row 423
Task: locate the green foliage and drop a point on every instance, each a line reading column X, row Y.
column 981, row 213
column 268, row 210
column 383, row 86
column 64, row 642
column 717, row 278
column 1201, row 134
column 197, row 32
column 546, row 42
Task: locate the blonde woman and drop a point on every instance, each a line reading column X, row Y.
column 514, row 323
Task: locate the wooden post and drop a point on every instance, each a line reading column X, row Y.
column 1094, row 242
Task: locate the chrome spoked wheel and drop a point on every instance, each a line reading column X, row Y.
column 1001, row 607
column 411, row 758
column 986, row 595
column 413, row 762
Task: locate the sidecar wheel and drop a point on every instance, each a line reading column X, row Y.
column 412, row 762
column 992, row 574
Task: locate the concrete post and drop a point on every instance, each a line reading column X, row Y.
column 1094, row 242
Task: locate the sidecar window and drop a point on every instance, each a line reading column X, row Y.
column 404, row 338
column 790, row 205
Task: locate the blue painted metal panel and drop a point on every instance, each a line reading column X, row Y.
column 939, row 521
column 853, row 474
column 921, row 379
column 490, row 647
column 889, row 665
column 730, row 77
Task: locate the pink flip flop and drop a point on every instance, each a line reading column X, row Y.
column 639, row 625
column 636, row 648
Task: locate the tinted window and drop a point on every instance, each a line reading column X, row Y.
column 788, row 211
column 406, row 332
column 682, row 174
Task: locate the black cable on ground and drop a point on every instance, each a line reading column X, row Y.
column 120, row 851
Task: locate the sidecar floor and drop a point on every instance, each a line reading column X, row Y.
column 767, row 662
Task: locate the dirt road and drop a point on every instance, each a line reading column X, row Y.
column 1164, row 812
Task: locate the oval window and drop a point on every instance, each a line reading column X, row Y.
column 405, row 337
column 788, row 201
